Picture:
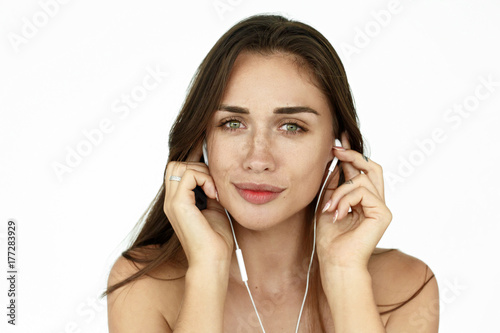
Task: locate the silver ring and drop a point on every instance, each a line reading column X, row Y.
column 176, row 178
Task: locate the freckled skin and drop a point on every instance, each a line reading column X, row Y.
column 290, row 151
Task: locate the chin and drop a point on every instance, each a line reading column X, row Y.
column 262, row 218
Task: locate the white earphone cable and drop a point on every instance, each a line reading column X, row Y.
column 243, row 273
column 239, row 254
column 241, row 264
column 312, row 253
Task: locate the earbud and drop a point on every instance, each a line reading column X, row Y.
column 338, row 143
column 335, row 159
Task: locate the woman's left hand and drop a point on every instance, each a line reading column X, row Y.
column 351, row 239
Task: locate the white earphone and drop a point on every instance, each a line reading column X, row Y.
column 239, row 254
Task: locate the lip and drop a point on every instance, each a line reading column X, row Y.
column 258, row 194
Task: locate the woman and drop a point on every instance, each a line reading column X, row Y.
column 269, row 100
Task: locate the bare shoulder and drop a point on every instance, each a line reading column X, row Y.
column 147, row 304
column 405, row 288
column 391, row 267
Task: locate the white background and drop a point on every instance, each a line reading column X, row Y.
column 409, row 72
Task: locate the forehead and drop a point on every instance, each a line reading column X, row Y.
column 274, row 80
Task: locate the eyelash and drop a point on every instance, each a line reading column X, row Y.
column 226, row 121
column 300, row 129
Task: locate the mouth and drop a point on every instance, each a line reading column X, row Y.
column 258, row 194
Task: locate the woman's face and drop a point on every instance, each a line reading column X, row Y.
column 270, row 141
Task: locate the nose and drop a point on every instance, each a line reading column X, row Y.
column 259, row 155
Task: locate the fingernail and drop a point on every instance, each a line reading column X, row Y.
column 336, row 215
column 328, row 204
column 339, row 148
column 217, row 195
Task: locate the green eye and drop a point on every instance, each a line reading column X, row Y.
column 234, row 124
column 292, row 127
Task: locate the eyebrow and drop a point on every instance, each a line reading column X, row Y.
column 281, row 110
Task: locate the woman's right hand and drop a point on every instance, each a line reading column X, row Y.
column 205, row 235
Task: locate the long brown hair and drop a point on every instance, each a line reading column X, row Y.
column 265, row 34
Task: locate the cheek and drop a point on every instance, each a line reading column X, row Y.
column 221, row 159
column 308, row 170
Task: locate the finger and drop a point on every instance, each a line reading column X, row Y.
column 180, row 197
column 193, row 178
column 196, row 166
column 373, row 208
column 179, row 168
column 330, row 187
column 349, row 170
column 369, row 168
column 360, row 180
column 363, row 163
column 377, row 216
column 183, row 170
column 171, row 187
column 169, row 183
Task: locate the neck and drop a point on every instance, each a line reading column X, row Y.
column 275, row 259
